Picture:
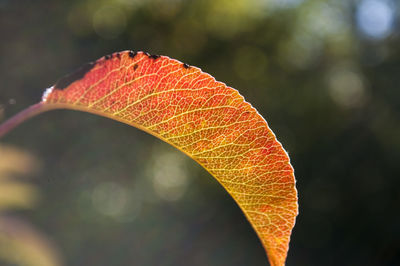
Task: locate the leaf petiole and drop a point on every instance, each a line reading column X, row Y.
column 22, row 116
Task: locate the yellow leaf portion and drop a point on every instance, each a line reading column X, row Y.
column 203, row 118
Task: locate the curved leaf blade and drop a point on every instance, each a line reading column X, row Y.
column 204, row 118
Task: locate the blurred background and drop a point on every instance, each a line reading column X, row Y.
column 76, row 189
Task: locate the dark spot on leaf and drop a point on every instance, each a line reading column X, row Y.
column 135, row 66
column 109, row 56
column 77, row 75
column 154, row 56
column 118, row 55
column 132, row 54
column 185, row 65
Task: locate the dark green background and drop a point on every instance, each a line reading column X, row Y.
column 330, row 92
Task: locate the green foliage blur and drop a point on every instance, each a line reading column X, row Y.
column 324, row 73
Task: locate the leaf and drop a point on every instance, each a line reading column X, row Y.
column 200, row 116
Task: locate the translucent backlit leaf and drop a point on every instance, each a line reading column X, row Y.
column 200, row 116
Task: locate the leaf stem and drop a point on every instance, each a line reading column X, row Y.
column 20, row 117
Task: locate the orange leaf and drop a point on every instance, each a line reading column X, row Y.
column 203, row 118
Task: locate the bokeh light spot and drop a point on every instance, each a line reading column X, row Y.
column 375, row 18
column 324, row 20
column 301, row 52
column 346, row 87
column 169, row 176
column 110, row 198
